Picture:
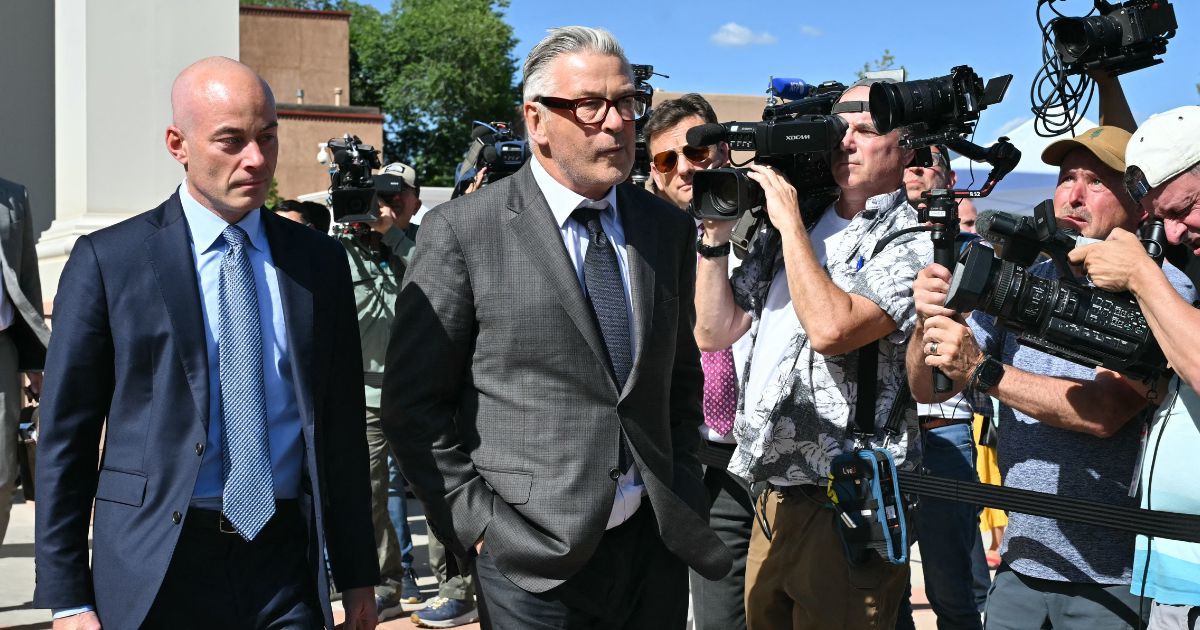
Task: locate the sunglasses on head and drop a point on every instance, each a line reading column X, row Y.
column 665, row 161
column 1136, row 184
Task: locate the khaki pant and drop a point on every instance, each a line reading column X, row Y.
column 387, row 541
column 801, row 578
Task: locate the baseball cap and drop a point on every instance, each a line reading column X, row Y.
column 1105, row 142
column 1166, row 145
column 395, row 177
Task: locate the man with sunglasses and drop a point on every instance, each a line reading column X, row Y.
column 551, row 424
column 1064, row 428
column 717, row 605
column 1163, row 175
column 811, row 297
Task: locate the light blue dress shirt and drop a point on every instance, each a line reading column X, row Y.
column 283, row 414
column 563, row 201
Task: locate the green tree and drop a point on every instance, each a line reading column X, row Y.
column 886, row 62
column 433, row 66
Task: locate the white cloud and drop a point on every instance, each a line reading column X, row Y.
column 733, row 34
column 809, row 30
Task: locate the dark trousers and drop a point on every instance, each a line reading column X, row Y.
column 721, row 604
column 219, row 580
column 631, row 582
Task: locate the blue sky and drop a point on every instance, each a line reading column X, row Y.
column 734, row 47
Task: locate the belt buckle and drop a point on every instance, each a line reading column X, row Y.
column 222, row 522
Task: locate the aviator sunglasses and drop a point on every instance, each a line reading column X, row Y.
column 665, row 161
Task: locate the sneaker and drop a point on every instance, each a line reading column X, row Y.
column 410, row 593
column 387, row 608
column 443, row 612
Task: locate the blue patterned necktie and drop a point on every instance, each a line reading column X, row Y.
column 248, row 500
column 606, row 293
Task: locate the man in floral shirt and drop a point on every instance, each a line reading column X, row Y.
column 811, row 296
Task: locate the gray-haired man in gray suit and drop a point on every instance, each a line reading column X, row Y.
column 23, row 332
column 543, row 385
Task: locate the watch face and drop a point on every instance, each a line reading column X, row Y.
column 990, row 374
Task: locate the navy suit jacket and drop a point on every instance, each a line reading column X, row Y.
column 128, row 354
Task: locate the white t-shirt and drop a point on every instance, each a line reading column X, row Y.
column 779, row 321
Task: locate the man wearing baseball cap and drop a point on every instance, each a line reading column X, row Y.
column 378, row 257
column 1163, row 175
column 1067, row 429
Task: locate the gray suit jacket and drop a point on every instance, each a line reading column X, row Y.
column 19, row 265
column 498, row 397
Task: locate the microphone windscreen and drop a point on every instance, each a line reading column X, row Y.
column 703, row 135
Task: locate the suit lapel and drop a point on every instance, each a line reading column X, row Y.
column 170, row 253
column 535, row 227
column 641, row 249
column 294, row 271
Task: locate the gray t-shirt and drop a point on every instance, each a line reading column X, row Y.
column 1034, row 456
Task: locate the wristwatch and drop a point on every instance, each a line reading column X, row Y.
column 987, row 376
column 711, row 251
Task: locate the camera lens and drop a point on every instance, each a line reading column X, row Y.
column 898, row 104
column 1076, row 37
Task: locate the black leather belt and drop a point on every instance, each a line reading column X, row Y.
column 935, row 422
column 214, row 520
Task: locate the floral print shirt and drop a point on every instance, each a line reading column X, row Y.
column 801, row 423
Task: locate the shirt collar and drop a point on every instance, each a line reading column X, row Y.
column 882, row 204
column 563, row 201
column 206, row 226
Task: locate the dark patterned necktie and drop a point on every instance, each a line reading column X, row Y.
column 606, row 294
column 248, row 499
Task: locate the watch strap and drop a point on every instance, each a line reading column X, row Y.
column 711, row 251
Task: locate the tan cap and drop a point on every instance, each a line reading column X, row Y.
column 1105, row 142
column 395, row 177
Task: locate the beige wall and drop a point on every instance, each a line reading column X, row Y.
column 294, row 50
column 299, row 172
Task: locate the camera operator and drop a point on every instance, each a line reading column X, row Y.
column 807, row 317
column 953, row 560
column 377, row 258
column 1164, row 175
column 1064, row 428
column 718, row 605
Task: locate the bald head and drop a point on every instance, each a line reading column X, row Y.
column 225, row 135
column 210, row 81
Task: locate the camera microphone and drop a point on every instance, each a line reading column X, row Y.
column 790, row 89
column 985, row 218
column 706, row 134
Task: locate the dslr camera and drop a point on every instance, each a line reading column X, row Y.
column 1059, row 316
column 796, row 137
column 495, row 147
column 641, row 155
column 351, row 190
column 1124, row 37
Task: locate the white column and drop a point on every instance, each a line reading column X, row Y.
column 114, row 64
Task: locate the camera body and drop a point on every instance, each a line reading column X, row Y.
column 493, row 146
column 942, row 106
column 351, row 190
column 1122, row 38
column 641, row 151
column 1059, row 316
column 796, row 137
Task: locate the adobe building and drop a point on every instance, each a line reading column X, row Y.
column 305, row 57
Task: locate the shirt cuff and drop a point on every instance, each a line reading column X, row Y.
column 59, row 613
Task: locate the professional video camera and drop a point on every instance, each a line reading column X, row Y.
column 943, row 111
column 641, row 154
column 351, row 190
column 495, row 147
column 1060, row 316
column 1124, row 37
column 796, row 137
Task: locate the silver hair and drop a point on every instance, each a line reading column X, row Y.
column 566, row 40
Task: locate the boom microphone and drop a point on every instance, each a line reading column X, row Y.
column 706, row 134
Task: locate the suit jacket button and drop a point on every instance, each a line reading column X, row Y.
column 176, row 517
column 614, row 474
column 199, row 448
